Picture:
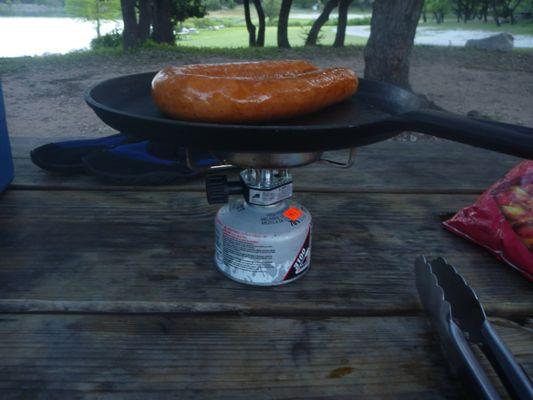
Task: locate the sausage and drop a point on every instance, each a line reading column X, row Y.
column 258, row 69
column 235, row 94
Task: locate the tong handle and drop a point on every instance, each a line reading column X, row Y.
column 470, row 370
column 510, row 372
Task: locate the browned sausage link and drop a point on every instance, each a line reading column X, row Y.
column 245, row 99
column 246, row 69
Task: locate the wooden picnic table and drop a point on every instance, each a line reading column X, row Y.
column 109, row 291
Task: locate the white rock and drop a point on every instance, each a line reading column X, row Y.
column 500, row 42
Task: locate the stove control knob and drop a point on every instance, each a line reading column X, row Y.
column 218, row 188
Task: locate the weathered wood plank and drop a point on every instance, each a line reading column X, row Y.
column 138, row 357
column 424, row 166
column 148, row 252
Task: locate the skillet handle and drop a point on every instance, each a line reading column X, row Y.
column 504, row 138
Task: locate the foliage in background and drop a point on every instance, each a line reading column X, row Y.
column 112, row 39
column 214, row 5
column 272, row 10
column 304, row 3
column 94, row 10
column 182, row 9
column 500, row 10
column 38, row 8
column 437, row 8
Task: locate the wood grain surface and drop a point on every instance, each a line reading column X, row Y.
column 166, row 357
column 110, row 292
column 152, row 251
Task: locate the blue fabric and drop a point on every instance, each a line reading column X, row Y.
column 139, row 151
column 206, row 162
column 108, row 141
column 6, row 161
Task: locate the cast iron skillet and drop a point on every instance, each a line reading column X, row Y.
column 376, row 112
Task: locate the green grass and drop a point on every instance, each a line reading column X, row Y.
column 236, row 37
column 518, row 60
column 520, row 28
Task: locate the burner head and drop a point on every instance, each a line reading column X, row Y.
column 269, row 160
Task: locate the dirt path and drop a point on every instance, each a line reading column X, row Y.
column 46, row 97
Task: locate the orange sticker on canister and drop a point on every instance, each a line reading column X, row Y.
column 293, row 213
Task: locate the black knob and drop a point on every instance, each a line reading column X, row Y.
column 216, row 187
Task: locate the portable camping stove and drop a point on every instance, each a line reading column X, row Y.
column 264, row 237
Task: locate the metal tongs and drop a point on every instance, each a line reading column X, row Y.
column 459, row 319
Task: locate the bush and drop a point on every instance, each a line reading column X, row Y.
column 304, row 3
column 359, row 21
column 304, row 33
column 200, row 23
column 152, row 45
column 301, row 22
column 110, row 40
column 206, row 22
column 213, row 5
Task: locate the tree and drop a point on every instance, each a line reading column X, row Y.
column 392, row 33
column 272, row 9
column 344, row 5
column 260, row 42
column 94, row 10
column 162, row 22
column 159, row 15
column 466, row 9
column 283, row 24
column 254, row 40
column 145, row 9
column 505, row 9
column 484, row 10
column 250, row 27
column 130, row 33
column 312, row 37
column 439, row 8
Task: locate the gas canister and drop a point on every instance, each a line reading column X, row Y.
column 264, row 237
column 263, row 245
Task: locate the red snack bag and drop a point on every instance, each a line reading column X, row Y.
column 501, row 220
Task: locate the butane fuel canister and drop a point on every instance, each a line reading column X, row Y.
column 265, row 238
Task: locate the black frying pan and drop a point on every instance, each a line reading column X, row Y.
column 376, row 112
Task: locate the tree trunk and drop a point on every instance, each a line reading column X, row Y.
column 512, row 11
column 249, row 25
column 484, row 10
column 130, row 32
column 163, row 29
column 496, row 13
column 439, row 17
column 389, row 46
column 145, row 19
column 283, row 24
column 260, row 42
column 340, row 35
column 98, row 33
column 312, row 37
column 424, row 16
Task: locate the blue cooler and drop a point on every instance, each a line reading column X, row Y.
column 6, row 162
